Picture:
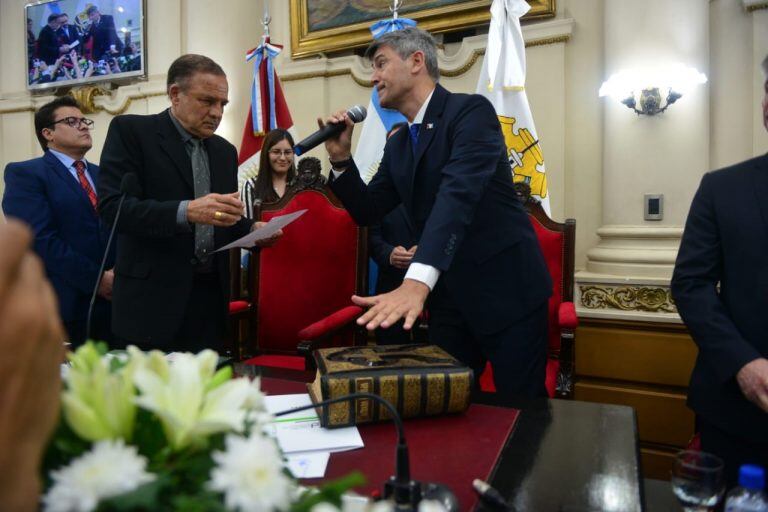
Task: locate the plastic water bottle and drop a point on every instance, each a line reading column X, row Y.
column 748, row 496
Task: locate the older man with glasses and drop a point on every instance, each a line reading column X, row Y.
column 56, row 195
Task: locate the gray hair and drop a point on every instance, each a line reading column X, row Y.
column 406, row 42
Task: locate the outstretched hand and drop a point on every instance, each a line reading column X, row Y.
column 406, row 301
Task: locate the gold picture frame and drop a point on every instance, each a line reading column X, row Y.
column 315, row 29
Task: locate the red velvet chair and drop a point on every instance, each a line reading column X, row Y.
column 301, row 287
column 557, row 242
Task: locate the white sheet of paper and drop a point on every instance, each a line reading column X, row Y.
column 308, row 464
column 73, row 44
column 264, row 232
column 301, row 431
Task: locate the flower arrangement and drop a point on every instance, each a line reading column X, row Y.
column 142, row 433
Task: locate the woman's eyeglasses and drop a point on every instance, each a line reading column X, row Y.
column 75, row 122
column 288, row 153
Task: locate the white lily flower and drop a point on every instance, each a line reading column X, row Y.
column 250, row 473
column 98, row 402
column 109, row 469
column 190, row 398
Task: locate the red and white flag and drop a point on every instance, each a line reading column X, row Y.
column 268, row 108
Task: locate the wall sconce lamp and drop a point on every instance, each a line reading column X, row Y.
column 651, row 92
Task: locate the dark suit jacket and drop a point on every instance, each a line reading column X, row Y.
column 48, row 45
column 395, row 229
column 104, row 35
column 68, row 37
column 457, row 191
column 69, row 237
column 155, row 258
column 726, row 242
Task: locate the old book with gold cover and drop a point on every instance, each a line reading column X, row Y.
column 419, row 380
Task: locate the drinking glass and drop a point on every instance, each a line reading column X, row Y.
column 697, row 480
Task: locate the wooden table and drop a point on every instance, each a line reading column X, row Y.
column 563, row 455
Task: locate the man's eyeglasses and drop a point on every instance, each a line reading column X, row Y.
column 75, row 122
column 288, row 153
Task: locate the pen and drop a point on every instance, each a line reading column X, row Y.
column 489, row 496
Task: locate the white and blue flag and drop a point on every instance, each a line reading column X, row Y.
column 370, row 146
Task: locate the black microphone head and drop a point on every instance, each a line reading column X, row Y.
column 357, row 113
column 130, row 185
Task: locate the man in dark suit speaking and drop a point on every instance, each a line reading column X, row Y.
column 478, row 258
column 720, row 286
column 171, row 291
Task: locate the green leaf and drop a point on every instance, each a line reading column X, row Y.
column 201, row 502
column 146, row 497
column 149, row 436
column 64, row 446
column 330, row 492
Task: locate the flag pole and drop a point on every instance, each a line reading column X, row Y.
column 395, row 6
column 265, row 21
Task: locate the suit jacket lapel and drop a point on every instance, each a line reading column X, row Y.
column 760, row 180
column 401, row 165
column 431, row 119
column 170, row 141
column 64, row 175
column 427, row 132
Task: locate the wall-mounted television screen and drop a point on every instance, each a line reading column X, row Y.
column 73, row 42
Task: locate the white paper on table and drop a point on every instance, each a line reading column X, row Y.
column 301, row 431
column 308, row 464
column 267, row 231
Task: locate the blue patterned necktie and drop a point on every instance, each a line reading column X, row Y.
column 414, row 130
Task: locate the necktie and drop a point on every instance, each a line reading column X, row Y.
column 202, row 184
column 80, row 168
column 414, row 130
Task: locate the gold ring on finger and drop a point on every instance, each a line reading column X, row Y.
column 218, row 215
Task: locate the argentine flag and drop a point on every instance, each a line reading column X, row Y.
column 373, row 137
column 370, row 147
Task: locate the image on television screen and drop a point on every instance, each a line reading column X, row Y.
column 72, row 42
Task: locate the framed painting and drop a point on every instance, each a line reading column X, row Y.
column 332, row 25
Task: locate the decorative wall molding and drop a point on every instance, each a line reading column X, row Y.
column 92, row 98
column 637, row 251
column 627, row 298
column 16, row 110
column 754, row 5
column 87, row 98
column 556, row 31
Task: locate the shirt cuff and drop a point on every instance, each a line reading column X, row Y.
column 181, row 217
column 423, row 273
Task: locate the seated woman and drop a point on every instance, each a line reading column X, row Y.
column 276, row 172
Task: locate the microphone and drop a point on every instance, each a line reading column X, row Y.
column 356, row 114
column 128, row 186
column 405, row 492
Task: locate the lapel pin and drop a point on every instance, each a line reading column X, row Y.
column 430, row 126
